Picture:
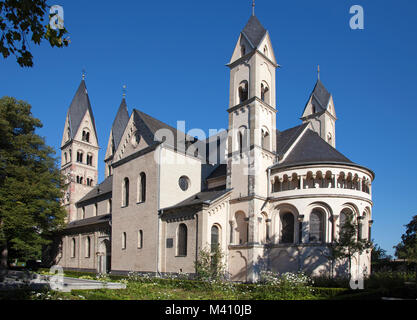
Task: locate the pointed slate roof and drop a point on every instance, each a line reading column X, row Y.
column 120, row 123
column 311, row 148
column 79, row 106
column 320, row 94
column 254, row 31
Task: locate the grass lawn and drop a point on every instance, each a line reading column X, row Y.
column 143, row 288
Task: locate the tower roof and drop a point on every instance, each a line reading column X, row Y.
column 120, row 123
column 321, row 94
column 254, row 31
column 79, row 106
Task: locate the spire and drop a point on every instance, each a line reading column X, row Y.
column 80, row 105
column 254, row 31
column 120, row 122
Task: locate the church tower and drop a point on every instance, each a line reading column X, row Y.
column 252, row 130
column 79, row 151
column 320, row 113
column 252, row 107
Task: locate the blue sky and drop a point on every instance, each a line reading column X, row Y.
column 172, row 56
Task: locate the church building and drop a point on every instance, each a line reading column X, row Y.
column 270, row 199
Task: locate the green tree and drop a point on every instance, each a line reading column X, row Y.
column 209, row 265
column 378, row 254
column 21, row 23
column 407, row 248
column 30, row 185
column 349, row 242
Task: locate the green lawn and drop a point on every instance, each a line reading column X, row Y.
column 143, row 288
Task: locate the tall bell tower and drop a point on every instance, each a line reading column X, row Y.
column 252, row 110
column 252, row 132
column 79, row 151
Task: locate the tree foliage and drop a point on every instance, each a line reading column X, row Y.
column 21, row 23
column 30, row 184
column 407, row 248
column 209, row 265
column 349, row 242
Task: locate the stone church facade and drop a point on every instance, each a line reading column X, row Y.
column 270, row 199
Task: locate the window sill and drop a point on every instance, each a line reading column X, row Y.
column 181, row 256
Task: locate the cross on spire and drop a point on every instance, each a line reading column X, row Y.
column 253, row 7
column 318, row 72
column 83, row 74
column 124, row 91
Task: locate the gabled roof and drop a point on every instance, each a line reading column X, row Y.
column 285, row 139
column 311, row 148
column 103, row 188
column 79, row 106
column 149, row 126
column 254, row 31
column 120, row 123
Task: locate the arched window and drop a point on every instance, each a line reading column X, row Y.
column 265, row 139
column 266, row 50
column 241, row 228
column 124, row 240
column 240, row 142
column 140, row 239
column 89, row 159
column 73, row 248
column 68, row 133
column 243, row 91
column 95, row 209
column 215, row 238
column 329, row 138
column 316, row 226
column 142, row 188
column 65, row 158
column 242, row 50
column 265, row 93
column 125, row 193
column 264, row 228
column 80, row 156
column 109, row 206
column 287, row 228
column 85, row 136
column 83, row 213
column 182, row 240
column 87, row 247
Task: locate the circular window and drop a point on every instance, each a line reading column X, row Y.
column 184, row 183
column 135, row 139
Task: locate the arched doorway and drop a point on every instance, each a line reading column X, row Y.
column 104, row 257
